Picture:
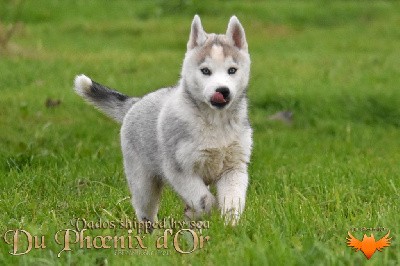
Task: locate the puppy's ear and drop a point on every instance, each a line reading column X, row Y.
column 197, row 34
column 235, row 32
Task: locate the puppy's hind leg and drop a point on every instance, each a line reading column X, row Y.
column 145, row 189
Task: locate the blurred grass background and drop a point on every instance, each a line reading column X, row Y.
column 334, row 64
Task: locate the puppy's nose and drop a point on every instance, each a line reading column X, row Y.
column 224, row 91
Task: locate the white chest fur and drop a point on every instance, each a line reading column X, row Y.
column 213, row 162
column 220, row 149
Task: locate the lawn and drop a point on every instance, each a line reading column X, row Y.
column 334, row 64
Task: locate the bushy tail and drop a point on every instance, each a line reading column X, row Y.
column 110, row 102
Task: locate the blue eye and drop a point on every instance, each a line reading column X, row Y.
column 232, row 70
column 206, row 71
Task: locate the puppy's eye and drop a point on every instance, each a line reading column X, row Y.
column 232, row 70
column 206, row 71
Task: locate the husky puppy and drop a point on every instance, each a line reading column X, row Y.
column 192, row 135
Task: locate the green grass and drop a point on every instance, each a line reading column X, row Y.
column 334, row 64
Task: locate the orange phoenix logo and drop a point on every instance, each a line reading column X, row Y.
column 368, row 245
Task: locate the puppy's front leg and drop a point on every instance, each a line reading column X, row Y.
column 194, row 192
column 231, row 190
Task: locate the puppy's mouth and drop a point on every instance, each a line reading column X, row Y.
column 219, row 100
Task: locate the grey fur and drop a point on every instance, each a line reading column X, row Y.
column 141, row 134
column 177, row 131
column 217, row 40
column 188, row 95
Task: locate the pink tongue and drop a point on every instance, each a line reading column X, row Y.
column 218, row 98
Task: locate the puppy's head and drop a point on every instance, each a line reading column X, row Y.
column 216, row 67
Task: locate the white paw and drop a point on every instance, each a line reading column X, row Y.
column 231, row 217
column 204, row 206
column 207, row 202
